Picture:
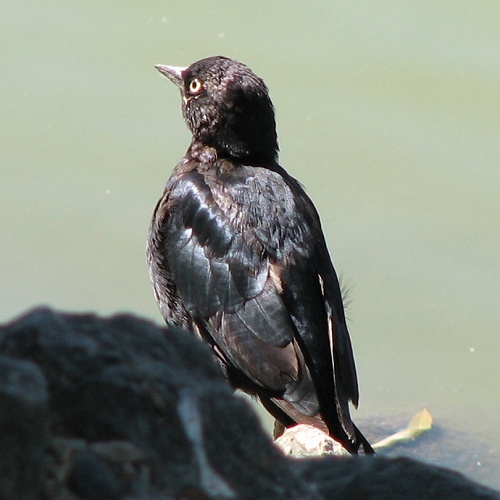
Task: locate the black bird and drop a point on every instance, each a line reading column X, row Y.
column 236, row 254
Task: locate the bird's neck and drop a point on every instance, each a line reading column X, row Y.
column 204, row 153
column 253, row 152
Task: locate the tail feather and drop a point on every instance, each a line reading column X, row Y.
column 362, row 441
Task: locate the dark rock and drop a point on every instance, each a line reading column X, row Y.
column 92, row 478
column 158, row 390
column 120, row 408
column 388, row 478
column 23, row 421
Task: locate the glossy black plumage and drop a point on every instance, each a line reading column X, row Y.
column 237, row 254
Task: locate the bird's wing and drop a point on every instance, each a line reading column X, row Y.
column 313, row 299
column 245, row 268
column 340, row 342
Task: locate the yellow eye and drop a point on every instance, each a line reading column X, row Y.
column 195, row 86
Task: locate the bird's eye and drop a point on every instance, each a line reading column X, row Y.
column 195, row 86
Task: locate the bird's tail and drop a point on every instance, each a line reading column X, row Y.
column 363, row 442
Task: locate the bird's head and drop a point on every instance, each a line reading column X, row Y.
column 227, row 106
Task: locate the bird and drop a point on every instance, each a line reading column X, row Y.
column 237, row 255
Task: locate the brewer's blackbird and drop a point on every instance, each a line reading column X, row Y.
column 237, row 255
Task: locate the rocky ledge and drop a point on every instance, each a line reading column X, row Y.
column 118, row 408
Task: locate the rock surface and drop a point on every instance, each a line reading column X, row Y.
column 117, row 408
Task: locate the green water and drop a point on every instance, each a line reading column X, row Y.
column 388, row 112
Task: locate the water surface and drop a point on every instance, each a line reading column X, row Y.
column 388, row 113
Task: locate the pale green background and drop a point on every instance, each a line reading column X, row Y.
column 388, row 112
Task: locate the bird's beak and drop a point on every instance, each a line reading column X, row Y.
column 173, row 73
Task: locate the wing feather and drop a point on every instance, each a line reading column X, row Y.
column 263, row 293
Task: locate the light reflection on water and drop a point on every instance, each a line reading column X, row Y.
column 387, row 113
